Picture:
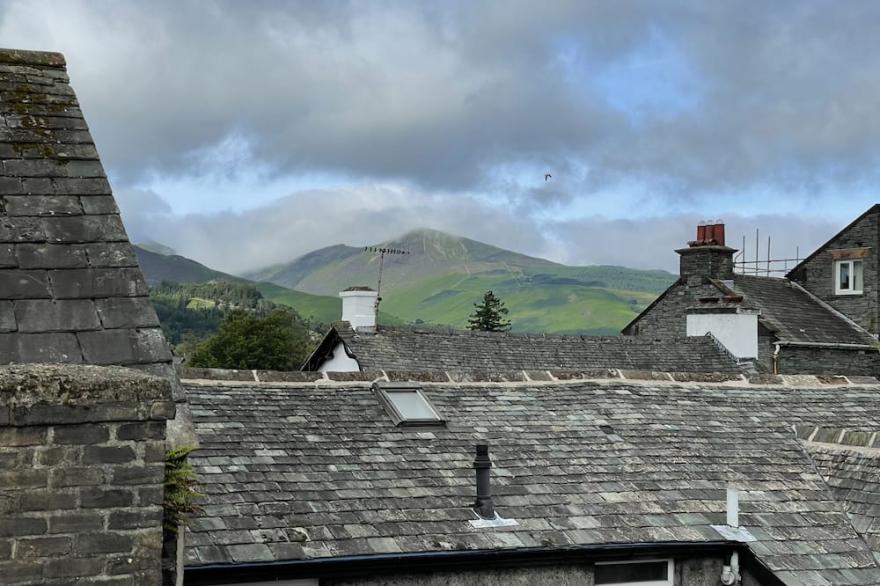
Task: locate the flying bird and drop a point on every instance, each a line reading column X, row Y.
column 547, row 176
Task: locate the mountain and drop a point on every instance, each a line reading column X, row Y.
column 158, row 267
column 156, row 247
column 179, row 269
column 442, row 276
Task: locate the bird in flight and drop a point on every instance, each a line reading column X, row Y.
column 547, row 176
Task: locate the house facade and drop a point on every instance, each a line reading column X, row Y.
column 844, row 271
column 797, row 325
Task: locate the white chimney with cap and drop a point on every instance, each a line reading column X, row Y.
column 359, row 307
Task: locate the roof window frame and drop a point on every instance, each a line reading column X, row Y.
column 849, row 262
column 670, row 572
column 383, row 392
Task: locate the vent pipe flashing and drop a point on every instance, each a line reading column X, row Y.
column 484, row 506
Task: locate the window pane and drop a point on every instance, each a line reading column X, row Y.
column 843, row 269
column 623, row 573
column 857, row 275
column 410, row 405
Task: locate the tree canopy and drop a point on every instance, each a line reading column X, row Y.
column 244, row 340
column 489, row 315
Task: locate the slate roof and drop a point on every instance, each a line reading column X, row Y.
column 796, row 316
column 852, row 471
column 318, row 470
column 70, row 286
column 414, row 349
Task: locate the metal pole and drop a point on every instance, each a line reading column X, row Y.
column 768, row 256
column 757, row 246
column 379, row 284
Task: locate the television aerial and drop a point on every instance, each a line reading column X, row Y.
column 382, row 251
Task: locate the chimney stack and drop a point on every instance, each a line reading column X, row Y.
column 708, row 255
column 484, row 506
column 359, row 307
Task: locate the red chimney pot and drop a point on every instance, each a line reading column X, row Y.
column 719, row 234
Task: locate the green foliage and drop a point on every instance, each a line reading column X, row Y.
column 195, row 311
column 277, row 341
column 489, row 315
column 179, row 322
column 180, row 492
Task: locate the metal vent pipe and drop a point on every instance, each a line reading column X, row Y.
column 484, row 506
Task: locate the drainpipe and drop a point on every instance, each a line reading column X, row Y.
column 730, row 574
column 483, row 506
column 776, row 359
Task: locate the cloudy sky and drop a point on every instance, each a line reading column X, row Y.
column 246, row 133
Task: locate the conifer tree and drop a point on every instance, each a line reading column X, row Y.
column 489, row 315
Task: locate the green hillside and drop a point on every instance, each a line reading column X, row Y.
column 442, row 276
column 177, row 269
column 313, row 308
column 316, row 309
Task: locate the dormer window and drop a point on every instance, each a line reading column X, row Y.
column 407, row 404
column 848, row 277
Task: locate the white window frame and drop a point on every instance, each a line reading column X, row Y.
column 670, row 572
column 851, row 264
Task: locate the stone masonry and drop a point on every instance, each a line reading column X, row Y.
column 71, row 290
column 81, row 474
column 816, row 273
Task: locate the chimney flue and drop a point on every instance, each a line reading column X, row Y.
column 709, row 234
column 484, row 506
column 359, row 307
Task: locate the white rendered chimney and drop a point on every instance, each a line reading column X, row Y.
column 359, row 307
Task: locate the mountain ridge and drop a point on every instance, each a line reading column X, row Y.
column 442, row 275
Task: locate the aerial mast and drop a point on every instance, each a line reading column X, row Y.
column 382, row 251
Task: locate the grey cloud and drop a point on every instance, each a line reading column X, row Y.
column 370, row 213
column 143, row 212
column 305, row 221
column 441, row 94
column 649, row 243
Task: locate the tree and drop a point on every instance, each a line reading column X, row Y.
column 489, row 315
column 277, row 341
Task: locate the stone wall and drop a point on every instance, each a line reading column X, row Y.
column 667, row 319
column 715, row 262
column 809, row 360
column 817, row 274
column 81, row 474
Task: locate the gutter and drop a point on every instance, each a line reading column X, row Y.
column 831, row 345
column 469, row 560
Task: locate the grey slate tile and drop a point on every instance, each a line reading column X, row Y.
column 51, row 256
column 24, row 284
column 47, row 315
column 126, row 312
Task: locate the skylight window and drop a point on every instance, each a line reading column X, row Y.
column 407, row 404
